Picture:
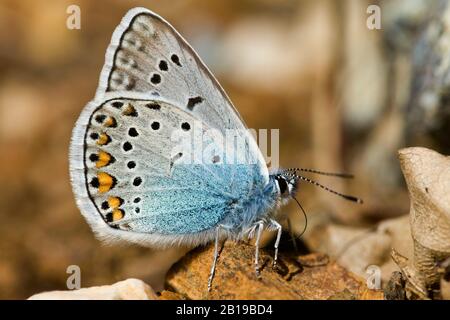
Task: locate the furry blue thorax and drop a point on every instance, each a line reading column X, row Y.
column 260, row 204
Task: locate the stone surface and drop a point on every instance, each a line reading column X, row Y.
column 312, row 276
column 130, row 289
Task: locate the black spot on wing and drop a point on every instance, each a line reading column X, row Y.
column 137, row 181
column 192, row 102
column 127, row 146
column 153, row 106
column 185, row 126
column 105, row 205
column 131, row 164
column 163, row 66
column 117, row 104
column 100, row 118
column 94, row 182
column 155, row 125
column 132, row 132
column 175, row 59
column 155, row 79
column 93, row 157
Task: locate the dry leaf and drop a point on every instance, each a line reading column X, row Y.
column 427, row 174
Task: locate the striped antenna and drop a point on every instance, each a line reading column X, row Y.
column 332, row 174
column 351, row 198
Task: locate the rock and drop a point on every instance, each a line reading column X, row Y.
column 130, row 289
column 296, row 277
column 169, row 295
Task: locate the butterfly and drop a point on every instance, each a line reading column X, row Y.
column 134, row 182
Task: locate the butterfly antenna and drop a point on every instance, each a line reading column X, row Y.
column 304, row 214
column 331, row 174
column 347, row 197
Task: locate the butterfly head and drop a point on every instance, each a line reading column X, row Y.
column 286, row 183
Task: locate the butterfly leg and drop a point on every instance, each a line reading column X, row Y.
column 260, row 227
column 216, row 255
column 277, row 241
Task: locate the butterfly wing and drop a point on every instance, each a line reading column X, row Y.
column 148, row 55
column 134, row 187
column 134, row 178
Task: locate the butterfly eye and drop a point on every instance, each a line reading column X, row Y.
column 282, row 184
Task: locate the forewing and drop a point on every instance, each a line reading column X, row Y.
column 148, row 55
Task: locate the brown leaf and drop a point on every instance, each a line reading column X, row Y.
column 427, row 175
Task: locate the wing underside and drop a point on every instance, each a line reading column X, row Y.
column 130, row 177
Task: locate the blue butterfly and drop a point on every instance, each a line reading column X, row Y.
column 134, row 181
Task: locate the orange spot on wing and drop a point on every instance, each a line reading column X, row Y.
column 106, row 182
column 110, row 122
column 103, row 139
column 114, row 202
column 117, row 214
column 104, row 158
column 129, row 111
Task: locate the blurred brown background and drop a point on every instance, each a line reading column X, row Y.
column 344, row 98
